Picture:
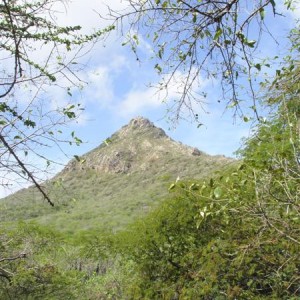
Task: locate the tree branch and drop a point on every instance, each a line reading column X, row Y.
column 22, row 165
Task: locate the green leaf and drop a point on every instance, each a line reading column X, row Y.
column 78, row 141
column 250, row 282
column 232, row 104
column 160, row 53
column 273, row 3
column 250, row 43
column 107, row 141
column 194, row 18
column 172, row 186
column 218, row 34
column 218, row 192
column 194, row 186
column 262, row 13
column 241, row 167
column 29, row 123
column 165, row 4
column 258, row 66
column 158, row 68
column 244, row 181
column 241, row 36
column 136, row 39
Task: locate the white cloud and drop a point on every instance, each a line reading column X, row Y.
column 87, row 13
column 118, row 63
column 102, row 79
column 100, row 86
column 138, row 100
column 142, row 98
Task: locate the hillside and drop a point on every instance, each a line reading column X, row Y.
column 116, row 232
column 109, row 186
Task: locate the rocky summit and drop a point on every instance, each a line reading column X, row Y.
column 124, row 177
column 137, row 146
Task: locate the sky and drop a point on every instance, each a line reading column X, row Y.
column 117, row 90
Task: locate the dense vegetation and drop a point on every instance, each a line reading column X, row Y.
column 233, row 235
column 141, row 160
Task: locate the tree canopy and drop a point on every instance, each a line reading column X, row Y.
column 36, row 53
column 219, row 40
column 233, row 235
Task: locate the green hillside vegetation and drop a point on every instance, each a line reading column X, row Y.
column 143, row 216
column 96, row 190
column 233, row 235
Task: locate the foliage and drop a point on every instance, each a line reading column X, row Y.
column 210, row 242
column 230, row 236
column 234, row 236
column 195, row 40
column 91, row 191
column 31, row 265
column 37, row 53
column 273, row 156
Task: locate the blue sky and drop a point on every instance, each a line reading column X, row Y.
column 117, row 90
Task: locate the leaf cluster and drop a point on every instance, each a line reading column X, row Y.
column 236, row 235
column 201, row 39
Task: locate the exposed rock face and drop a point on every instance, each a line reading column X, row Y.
column 196, row 152
column 137, row 146
column 123, row 178
column 116, row 163
column 139, row 122
column 140, row 125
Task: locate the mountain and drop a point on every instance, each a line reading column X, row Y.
column 123, row 178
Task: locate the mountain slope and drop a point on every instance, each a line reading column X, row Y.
column 108, row 187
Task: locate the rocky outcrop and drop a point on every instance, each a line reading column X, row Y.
column 196, row 152
column 140, row 122
column 141, row 126
column 137, row 146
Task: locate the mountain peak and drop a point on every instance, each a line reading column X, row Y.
column 141, row 126
column 137, row 147
column 140, row 122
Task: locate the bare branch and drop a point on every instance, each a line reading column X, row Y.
column 22, row 165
